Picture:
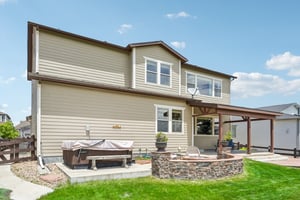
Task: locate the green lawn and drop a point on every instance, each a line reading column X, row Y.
column 4, row 194
column 259, row 181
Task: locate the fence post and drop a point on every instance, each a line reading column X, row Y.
column 32, row 146
column 17, row 149
column 12, row 150
column 295, row 153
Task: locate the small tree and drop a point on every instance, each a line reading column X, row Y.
column 8, row 131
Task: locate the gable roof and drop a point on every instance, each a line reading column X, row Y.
column 209, row 70
column 278, row 108
column 160, row 43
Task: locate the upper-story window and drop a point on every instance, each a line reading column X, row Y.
column 158, row 72
column 205, row 85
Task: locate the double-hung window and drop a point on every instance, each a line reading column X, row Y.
column 169, row 119
column 158, row 72
column 217, row 88
column 205, row 85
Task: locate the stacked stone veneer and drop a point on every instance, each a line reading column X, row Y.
column 165, row 167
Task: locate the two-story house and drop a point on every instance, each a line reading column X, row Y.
column 83, row 88
column 24, row 127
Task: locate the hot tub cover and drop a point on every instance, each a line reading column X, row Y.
column 112, row 145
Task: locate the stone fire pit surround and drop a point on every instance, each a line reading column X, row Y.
column 163, row 166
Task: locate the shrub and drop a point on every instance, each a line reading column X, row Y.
column 8, row 131
column 161, row 137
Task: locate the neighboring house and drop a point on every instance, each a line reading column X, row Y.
column 4, row 117
column 88, row 89
column 286, row 128
column 24, row 127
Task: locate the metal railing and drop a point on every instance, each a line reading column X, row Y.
column 284, row 151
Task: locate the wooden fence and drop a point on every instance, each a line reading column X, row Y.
column 293, row 152
column 16, row 150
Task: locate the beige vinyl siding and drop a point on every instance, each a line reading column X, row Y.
column 74, row 59
column 67, row 110
column 160, row 54
column 225, row 97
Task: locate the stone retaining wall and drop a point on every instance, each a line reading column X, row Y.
column 165, row 167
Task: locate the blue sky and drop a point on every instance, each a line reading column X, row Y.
column 256, row 40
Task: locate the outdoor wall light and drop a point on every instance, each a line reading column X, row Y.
column 117, row 126
column 87, row 131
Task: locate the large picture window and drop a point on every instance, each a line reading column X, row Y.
column 158, row 72
column 169, row 120
column 205, row 85
column 207, row 126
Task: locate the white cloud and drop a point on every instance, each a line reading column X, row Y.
column 2, row 2
column 179, row 45
column 3, row 107
column 285, row 61
column 7, row 81
column 181, row 14
column 124, row 28
column 257, row 84
column 27, row 110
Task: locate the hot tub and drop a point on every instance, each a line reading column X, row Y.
column 76, row 151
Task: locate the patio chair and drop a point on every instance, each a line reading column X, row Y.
column 192, row 151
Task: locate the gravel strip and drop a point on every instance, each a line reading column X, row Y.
column 29, row 172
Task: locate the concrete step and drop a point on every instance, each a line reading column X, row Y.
column 266, row 157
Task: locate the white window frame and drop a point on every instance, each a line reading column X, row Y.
column 170, row 108
column 158, row 78
column 207, row 77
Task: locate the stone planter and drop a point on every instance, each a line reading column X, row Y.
column 161, row 146
column 225, row 143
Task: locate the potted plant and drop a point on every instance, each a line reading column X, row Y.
column 161, row 141
column 227, row 142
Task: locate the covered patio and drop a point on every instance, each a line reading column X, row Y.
column 224, row 112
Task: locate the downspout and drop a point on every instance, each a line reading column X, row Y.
column 38, row 92
column 179, row 84
column 38, row 120
column 133, row 81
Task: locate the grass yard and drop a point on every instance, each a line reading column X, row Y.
column 4, row 194
column 259, row 181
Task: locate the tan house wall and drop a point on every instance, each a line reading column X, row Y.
column 67, row 110
column 157, row 53
column 72, row 58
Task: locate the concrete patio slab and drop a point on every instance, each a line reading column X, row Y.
column 83, row 175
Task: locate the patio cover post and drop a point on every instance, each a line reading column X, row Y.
column 272, row 135
column 248, row 135
column 220, row 134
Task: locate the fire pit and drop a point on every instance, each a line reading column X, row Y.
column 164, row 166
